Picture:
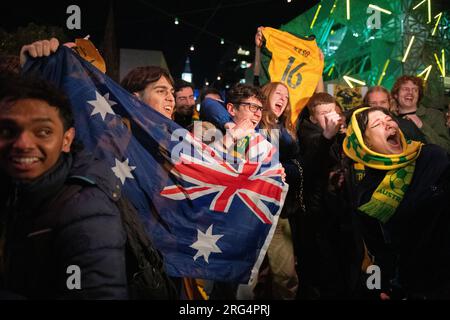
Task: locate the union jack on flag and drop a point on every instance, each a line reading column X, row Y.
column 210, row 219
column 253, row 182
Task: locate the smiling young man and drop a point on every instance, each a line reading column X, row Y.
column 408, row 92
column 152, row 85
column 245, row 106
column 49, row 232
column 40, row 138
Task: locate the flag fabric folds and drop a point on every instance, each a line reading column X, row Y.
column 210, row 219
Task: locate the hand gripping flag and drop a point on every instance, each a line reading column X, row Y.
column 210, row 219
column 293, row 60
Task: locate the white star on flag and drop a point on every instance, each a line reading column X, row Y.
column 206, row 244
column 110, row 102
column 102, row 105
column 122, row 170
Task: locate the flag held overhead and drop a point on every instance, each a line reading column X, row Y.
column 209, row 219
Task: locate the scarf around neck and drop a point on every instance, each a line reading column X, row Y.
column 400, row 170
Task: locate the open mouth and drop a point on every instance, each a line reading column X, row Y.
column 24, row 163
column 278, row 107
column 168, row 109
column 393, row 139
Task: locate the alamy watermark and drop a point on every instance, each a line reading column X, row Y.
column 374, row 21
column 74, row 20
column 374, row 280
column 74, row 279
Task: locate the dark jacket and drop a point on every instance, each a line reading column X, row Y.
column 434, row 127
column 320, row 156
column 87, row 233
column 328, row 243
column 410, row 130
column 413, row 247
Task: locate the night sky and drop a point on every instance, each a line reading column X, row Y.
column 149, row 24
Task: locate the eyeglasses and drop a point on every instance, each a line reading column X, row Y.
column 251, row 106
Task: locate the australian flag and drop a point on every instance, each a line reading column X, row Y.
column 209, row 218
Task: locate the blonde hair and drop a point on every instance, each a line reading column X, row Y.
column 392, row 102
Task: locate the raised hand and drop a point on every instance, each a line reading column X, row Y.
column 333, row 123
column 242, row 129
column 38, row 49
column 259, row 37
column 414, row 118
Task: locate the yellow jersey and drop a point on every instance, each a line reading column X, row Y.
column 293, row 61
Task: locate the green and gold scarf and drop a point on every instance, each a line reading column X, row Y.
column 400, row 167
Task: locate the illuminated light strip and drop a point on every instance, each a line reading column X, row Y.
column 350, row 79
column 384, row 71
column 379, row 9
column 429, row 11
column 437, row 22
column 418, row 5
column 316, row 15
column 427, row 71
column 331, row 71
column 407, row 50
column 439, row 65
column 443, row 62
column 334, row 6
column 348, row 9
